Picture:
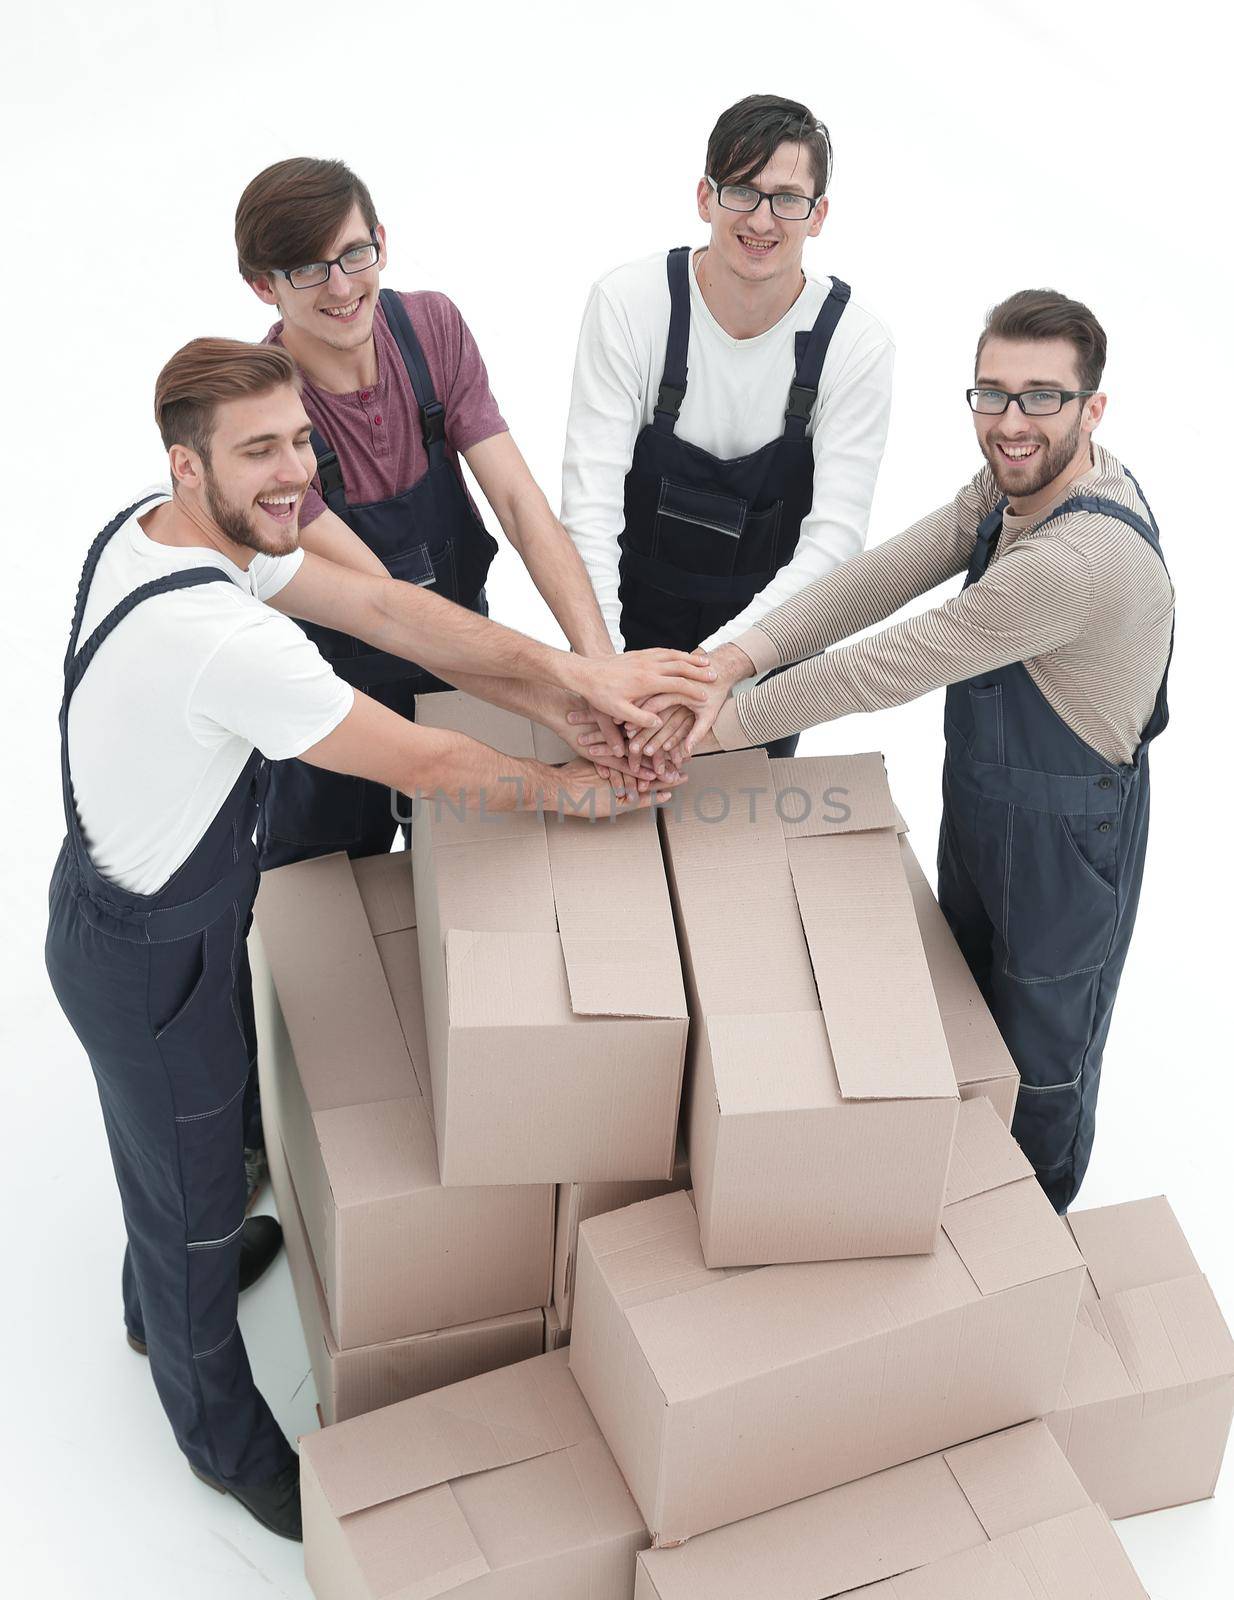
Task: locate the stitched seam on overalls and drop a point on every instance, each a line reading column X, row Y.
column 1086, row 864
column 199, row 1116
column 214, row 1244
column 200, row 1398
column 1050, row 1088
column 200, row 1355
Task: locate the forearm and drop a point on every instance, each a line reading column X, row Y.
column 374, row 742
column 1029, row 604
column 872, row 586
column 558, row 572
column 451, row 641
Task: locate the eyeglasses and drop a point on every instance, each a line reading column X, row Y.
column 357, row 259
column 789, row 207
column 1032, row 402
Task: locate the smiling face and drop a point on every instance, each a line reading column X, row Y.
column 337, row 313
column 1034, row 457
column 757, row 246
column 260, row 464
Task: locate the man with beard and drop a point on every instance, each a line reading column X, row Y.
column 181, row 681
column 1055, row 652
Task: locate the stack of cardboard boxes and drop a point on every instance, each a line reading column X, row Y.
column 818, row 1371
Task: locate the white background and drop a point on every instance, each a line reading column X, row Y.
column 515, row 153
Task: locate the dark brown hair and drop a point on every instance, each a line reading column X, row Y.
column 748, row 134
column 203, row 375
column 290, row 212
column 1046, row 314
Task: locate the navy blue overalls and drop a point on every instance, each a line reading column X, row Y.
column 158, row 990
column 1040, row 858
column 702, row 535
column 431, row 535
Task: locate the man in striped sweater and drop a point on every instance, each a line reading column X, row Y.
column 1054, row 654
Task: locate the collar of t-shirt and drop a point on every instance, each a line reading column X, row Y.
column 1015, row 527
column 253, row 579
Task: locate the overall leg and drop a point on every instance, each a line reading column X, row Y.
column 1056, row 1026
column 959, row 900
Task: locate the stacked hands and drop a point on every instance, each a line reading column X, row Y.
column 641, row 716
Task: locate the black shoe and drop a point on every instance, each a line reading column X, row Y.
column 256, row 1171
column 259, row 1244
column 275, row 1504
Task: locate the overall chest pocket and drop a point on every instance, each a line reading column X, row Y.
column 698, row 529
column 1059, row 911
column 414, row 566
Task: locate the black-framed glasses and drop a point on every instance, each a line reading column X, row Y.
column 1032, row 402
column 358, row 259
column 789, row 207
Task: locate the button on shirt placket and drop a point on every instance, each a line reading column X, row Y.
column 378, row 434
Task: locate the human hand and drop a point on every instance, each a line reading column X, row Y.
column 582, row 790
column 617, row 685
column 684, row 727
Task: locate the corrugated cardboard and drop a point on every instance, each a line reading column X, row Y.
column 351, row 1382
column 1149, row 1393
column 552, row 984
column 1003, row 1516
column 982, row 1062
column 499, row 1488
column 789, row 890
column 578, row 1201
column 341, row 1034
column 725, row 1392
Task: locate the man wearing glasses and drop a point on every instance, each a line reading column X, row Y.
column 396, row 391
column 728, row 415
column 1055, row 654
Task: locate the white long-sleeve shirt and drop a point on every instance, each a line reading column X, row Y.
column 736, row 393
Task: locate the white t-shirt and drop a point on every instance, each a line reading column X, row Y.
column 735, row 398
column 177, row 698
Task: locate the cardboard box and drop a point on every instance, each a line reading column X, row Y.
column 351, row 1382
column 1149, row 1393
column 981, row 1061
column 578, row 1201
column 1002, row 1518
column 341, row 1032
column 789, row 888
column 724, row 1392
column 555, row 1336
column 552, row 984
column 499, row 1488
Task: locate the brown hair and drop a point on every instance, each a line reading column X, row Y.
column 747, row 135
column 203, row 375
column 290, row 212
column 1046, row 314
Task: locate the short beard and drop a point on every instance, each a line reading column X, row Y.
column 1052, row 460
column 239, row 526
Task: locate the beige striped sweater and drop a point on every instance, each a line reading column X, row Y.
column 1085, row 604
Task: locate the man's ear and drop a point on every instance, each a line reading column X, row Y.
column 1094, row 410
column 817, row 217
column 381, row 247
column 704, row 196
column 263, row 288
column 186, row 467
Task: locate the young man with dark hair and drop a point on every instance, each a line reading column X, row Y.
column 181, row 681
column 396, row 391
column 1055, row 656
column 729, row 411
